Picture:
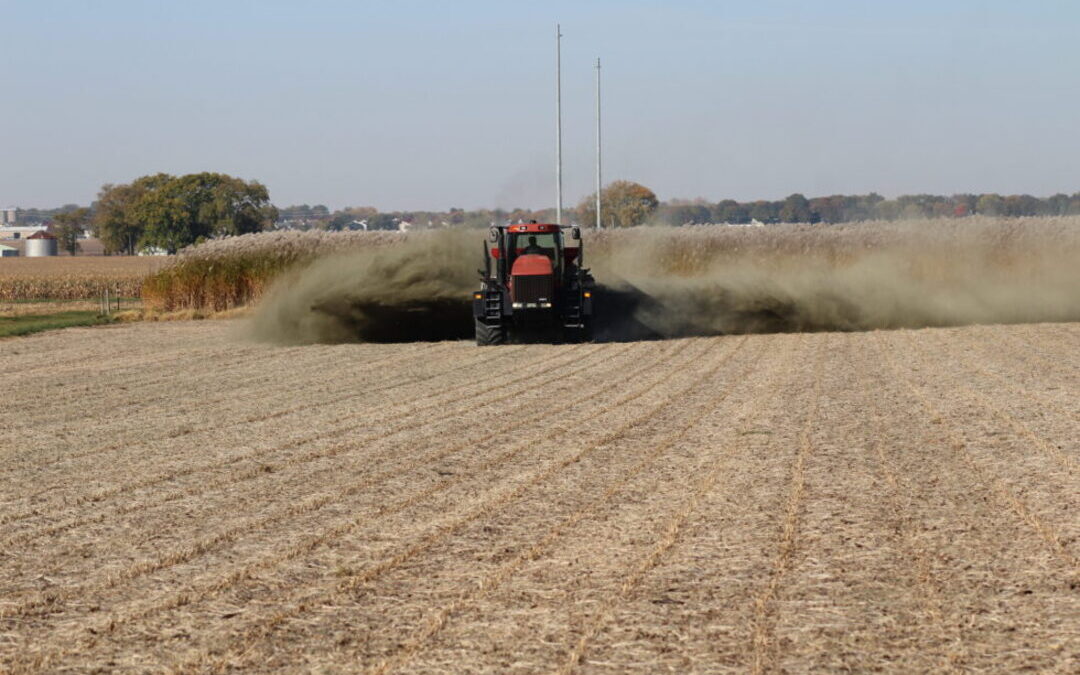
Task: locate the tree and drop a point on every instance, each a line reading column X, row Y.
column 623, row 204
column 764, row 211
column 115, row 222
column 168, row 212
column 990, row 205
column 796, row 209
column 69, row 226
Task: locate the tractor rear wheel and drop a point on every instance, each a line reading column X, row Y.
column 489, row 335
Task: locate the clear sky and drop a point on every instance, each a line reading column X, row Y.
column 428, row 105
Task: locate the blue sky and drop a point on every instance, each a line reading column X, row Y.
column 429, row 105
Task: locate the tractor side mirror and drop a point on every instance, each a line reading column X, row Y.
column 493, row 235
column 575, row 233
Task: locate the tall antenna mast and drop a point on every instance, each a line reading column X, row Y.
column 598, row 182
column 558, row 125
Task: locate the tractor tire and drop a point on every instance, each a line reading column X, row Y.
column 489, row 335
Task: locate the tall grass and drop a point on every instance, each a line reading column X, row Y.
column 233, row 272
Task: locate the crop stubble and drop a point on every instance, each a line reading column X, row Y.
column 899, row 500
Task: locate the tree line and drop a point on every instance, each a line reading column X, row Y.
column 167, row 213
column 846, row 208
column 625, row 203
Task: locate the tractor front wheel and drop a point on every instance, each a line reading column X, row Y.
column 489, row 335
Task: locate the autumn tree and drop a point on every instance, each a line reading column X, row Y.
column 623, row 204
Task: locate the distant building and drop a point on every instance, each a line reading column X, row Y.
column 19, row 231
column 9, row 216
column 8, row 251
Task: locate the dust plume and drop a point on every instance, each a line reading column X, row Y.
column 708, row 280
column 712, row 280
column 416, row 290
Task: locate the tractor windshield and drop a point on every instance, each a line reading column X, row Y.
column 535, row 244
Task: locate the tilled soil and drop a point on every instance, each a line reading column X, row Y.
column 175, row 499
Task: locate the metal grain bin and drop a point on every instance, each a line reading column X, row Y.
column 40, row 245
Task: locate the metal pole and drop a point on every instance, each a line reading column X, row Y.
column 558, row 125
column 598, row 181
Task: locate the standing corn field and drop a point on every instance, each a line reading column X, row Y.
column 72, row 278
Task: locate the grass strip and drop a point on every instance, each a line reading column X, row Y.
column 12, row 326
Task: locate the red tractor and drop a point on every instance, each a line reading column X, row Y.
column 533, row 286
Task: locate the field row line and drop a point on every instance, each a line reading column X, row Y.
column 1049, row 449
column 307, row 506
column 230, row 396
column 930, row 597
column 437, row 400
column 1051, row 361
column 510, row 495
column 673, row 528
column 764, row 620
column 92, row 356
column 395, row 381
column 1039, row 400
column 331, row 534
column 1044, row 531
column 436, row 621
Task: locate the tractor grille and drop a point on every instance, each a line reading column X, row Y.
column 533, row 288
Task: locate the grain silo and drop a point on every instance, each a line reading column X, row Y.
column 40, row 244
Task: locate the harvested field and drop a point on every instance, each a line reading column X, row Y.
column 174, row 499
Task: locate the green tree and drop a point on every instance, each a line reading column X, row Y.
column 116, row 222
column 623, row 204
column 168, row 212
column 730, row 211
column 69, row 226
column 796, row 209
column 764, row 211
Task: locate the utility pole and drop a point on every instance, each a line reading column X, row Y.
column 598, row 181
column 558, row 125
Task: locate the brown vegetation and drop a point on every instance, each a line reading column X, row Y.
column 73, row 278
column 897, row 501
column 232, row 272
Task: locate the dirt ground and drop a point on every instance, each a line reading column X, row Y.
column 173, row 499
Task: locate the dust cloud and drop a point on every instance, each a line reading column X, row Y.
column 708, row 280
column 413, row 291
